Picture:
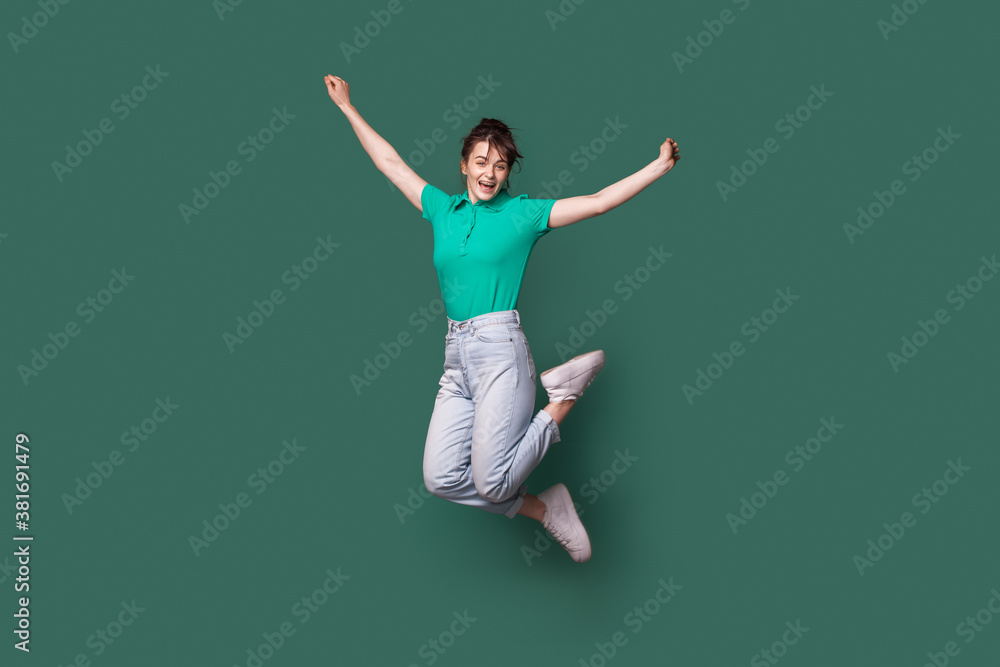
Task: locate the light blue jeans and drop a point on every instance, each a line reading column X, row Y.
column 482, row 441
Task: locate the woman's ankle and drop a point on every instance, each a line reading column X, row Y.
column 558, row 411
column 533, row 508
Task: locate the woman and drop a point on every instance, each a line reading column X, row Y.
column 482, row 441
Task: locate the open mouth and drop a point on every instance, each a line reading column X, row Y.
column 487, row 187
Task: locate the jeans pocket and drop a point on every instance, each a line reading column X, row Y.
column 531, row 361
column 494, row 333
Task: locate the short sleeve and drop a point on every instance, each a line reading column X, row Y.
column 433, row 201
column 534, row 213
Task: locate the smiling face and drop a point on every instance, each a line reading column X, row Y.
column 485, row 167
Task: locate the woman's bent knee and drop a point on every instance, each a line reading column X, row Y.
column 437, row 486
column 495, row 493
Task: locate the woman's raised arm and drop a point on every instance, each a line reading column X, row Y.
column 384, row 156
column 574, row 209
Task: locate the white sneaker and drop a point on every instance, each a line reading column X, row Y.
column 562, row 521
column 566, row 382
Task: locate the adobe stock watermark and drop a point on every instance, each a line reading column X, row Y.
column 88, row 309
column 915, row 167
column 303, row 610
column 223, row 7
column 900, row 14
column 363, row 35
column 419, row 320
column 249, row 149
column 104, row 637
column 797, row 457
column 264, row 310
column 7, row 569
column 713, row 30
column 258, row 481
column 636, row 619
column 786, row 125
column 37, row 21
column 585, row 155
column 967, row 629
column 122, row 106
column 923, row 500
column 105, row 468
column 927, row 329
column 562, row 12
column 753, row 329
column 436, row 647
column 453, row 115
column 779, row 648
column 415, row 499
column 627, row 286
column 591, row 490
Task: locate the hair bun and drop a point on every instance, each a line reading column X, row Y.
column 494, row 123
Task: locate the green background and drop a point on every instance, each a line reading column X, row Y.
column 335, row 506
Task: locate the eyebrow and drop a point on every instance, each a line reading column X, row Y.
column 481, row 157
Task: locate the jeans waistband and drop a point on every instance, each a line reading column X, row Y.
column 499, row 317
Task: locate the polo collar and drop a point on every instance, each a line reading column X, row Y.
column 496, row 203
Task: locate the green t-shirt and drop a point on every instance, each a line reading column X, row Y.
column 482, row 249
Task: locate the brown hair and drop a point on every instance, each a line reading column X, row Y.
column 499, row 137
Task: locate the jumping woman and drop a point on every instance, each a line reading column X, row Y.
column 483, row 441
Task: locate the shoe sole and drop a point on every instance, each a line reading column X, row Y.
column 570, row 370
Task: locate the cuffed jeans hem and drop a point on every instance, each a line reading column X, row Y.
column 518, row 501
column 551, row 424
